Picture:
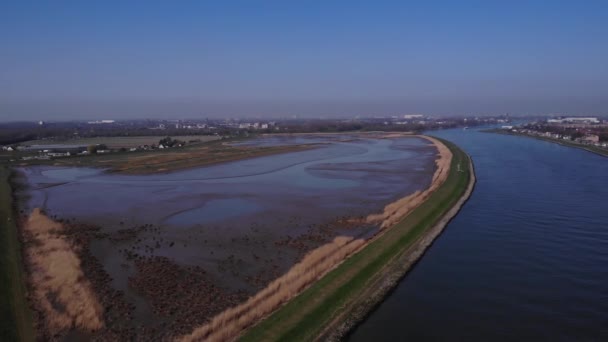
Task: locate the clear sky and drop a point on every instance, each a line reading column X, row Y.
column 135, row 59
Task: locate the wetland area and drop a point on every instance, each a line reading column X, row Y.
column 164, row 253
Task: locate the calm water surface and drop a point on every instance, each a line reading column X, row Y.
column 526, row 258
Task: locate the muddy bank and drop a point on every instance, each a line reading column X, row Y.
column 230, row 323
column 396, row 211
column 73, row 297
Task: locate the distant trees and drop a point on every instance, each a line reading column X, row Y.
column 92, row 149
column 575, row 135
column 169, row 142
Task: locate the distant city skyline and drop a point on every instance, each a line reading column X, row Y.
column 118, row 60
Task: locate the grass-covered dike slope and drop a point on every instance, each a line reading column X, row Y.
column 331, row 307
column 15, row 317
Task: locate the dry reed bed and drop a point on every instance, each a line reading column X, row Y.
column 230, row 324
column 397, row 210
column 59, row 289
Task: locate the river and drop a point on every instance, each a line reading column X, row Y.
column 525, row 259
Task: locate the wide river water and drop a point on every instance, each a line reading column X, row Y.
column 525, row 259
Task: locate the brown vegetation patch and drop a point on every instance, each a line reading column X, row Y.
column 182, row 297
column 230, row 323
column 60, row 292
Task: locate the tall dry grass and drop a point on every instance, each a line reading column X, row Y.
column 60, row 290
column 230, row 323
column 395, row 211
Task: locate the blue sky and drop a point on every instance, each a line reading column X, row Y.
column 135, row 59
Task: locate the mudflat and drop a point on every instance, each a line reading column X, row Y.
column 171, row 251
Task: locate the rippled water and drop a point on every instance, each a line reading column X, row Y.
column 525, row 259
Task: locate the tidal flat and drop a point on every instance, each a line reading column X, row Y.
column 175, row 249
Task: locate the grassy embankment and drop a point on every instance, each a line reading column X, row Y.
column 15, row 317
column 168, row 160
column 327, row 303
column 592, row 149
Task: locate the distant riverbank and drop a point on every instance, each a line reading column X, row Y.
column 169, row 160
column 588, row 148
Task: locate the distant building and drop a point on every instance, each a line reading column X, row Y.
column 98, row 122
column 413, row 116
column 59, row 154
column 591, row 138
column 575, row 119
column 582, row 120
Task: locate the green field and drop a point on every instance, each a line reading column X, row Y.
column 15, row 318
column 308, row 315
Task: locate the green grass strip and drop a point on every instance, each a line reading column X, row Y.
column 15, row 317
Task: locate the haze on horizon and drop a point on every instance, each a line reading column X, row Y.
column 64, row 60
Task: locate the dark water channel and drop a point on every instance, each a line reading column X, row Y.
column 525, row 260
